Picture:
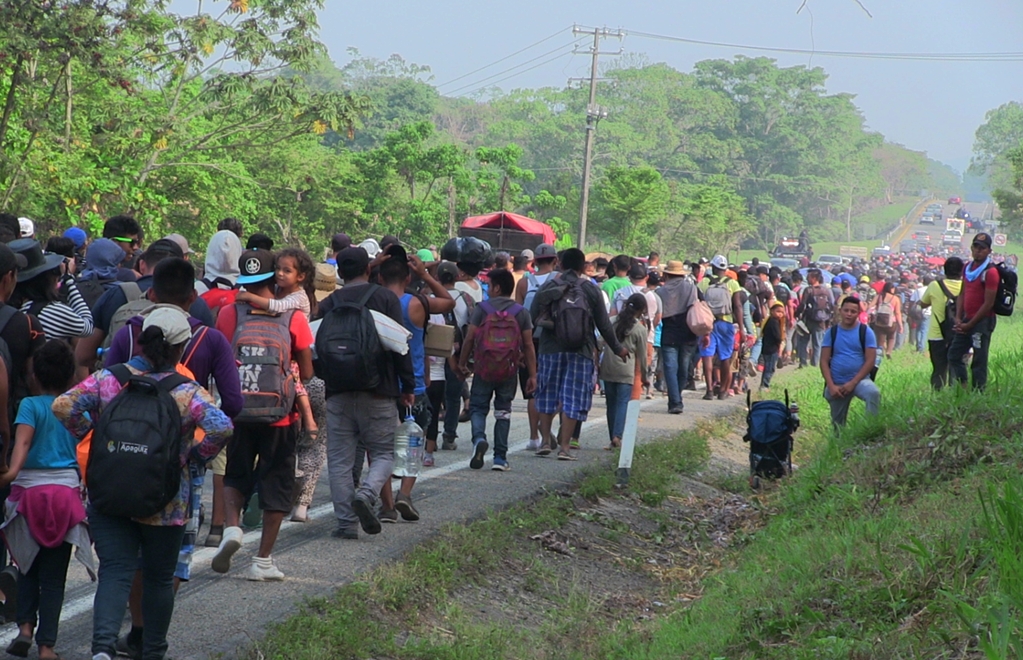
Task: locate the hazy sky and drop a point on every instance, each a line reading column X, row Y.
column 928, row 106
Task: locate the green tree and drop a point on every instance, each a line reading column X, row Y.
column 630, row 202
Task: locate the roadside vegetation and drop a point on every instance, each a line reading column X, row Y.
column 900, row 538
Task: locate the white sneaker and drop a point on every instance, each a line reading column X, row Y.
column 533, row 444
column 101, row 656
column 229, row 544
column 263, row 569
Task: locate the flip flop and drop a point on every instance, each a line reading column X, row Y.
column 21, row 645
column 565, row 456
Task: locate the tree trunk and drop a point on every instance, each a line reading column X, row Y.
column 451, row 208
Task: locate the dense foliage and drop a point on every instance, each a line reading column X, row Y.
column 185, row 112
column 998, row 155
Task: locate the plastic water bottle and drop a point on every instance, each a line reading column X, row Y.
column 794, row 413
column 411, row 436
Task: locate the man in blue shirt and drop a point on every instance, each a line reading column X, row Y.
column 848, row 355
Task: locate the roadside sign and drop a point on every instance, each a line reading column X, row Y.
column 1000, row 240
column 852, row 251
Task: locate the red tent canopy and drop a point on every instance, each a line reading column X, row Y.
column 513, row 221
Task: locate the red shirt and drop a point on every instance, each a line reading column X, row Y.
column 217, row 298
column 973, row 292
column 301, row 339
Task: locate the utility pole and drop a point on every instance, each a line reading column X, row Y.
column 594, row 113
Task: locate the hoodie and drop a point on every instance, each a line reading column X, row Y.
column 102, row 260
column 222, row 255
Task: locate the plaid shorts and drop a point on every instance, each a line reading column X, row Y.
column 196, row 474
column 564, row 379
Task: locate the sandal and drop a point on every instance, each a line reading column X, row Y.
column 565, row 456
column 21, row 645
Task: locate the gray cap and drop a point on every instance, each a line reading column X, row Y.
column 528, row 254
column 545, row 251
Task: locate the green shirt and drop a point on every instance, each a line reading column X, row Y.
column 611, row 286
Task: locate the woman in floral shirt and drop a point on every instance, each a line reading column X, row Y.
column 120, row 540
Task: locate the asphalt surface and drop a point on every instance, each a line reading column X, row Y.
column 222, row 615
column 914, row 230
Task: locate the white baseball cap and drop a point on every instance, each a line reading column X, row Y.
column 28, row 228
column 719, row 261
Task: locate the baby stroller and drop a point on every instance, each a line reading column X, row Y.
column 769, row 428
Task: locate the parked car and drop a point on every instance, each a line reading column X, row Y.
column 783, row 264
column 828, row 260
column 955, row 200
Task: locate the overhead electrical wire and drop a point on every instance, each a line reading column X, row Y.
column 506, row 57
column 933, row 57
column 476, row 83
column 535, row 66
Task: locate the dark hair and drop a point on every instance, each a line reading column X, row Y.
column 394, row 270
column 10, row 228
column 502, row 279
column 259, row 241
column 621, row 262
column 41, row 288
column 501, row 260
column 121, row 226
column 574, row 259
column 633, row 308
column 174, row 281
column 305, row 266
column 796, row 276
column 350, row 270
column 153, row 257
column 653, row 255
column 53, row 365
column 156, row 349
column 653, row 278
column 600, row 263
column 520, row 262
column 889, row 287
column 232, row 225
column 742, row 277
column 815, row 274
column 851, row 299
column 470, row 268
column 61, row 245
column 954, row 268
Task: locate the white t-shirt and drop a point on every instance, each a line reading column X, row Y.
column 476, row 293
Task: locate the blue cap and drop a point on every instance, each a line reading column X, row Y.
column 77, row 235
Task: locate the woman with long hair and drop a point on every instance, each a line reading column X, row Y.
column 121, row 540
column 619, row 375
column 42, row 289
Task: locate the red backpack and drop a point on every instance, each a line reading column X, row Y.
column 498, row 346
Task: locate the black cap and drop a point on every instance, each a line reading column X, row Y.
column 637, row 271
column 352, row 258
column 389, row 240
column 983, row 239
column 255, row 266
column 9, row 260
column 340, row 241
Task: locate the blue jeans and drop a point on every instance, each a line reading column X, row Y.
column 677, row 361
column 754, row 354
column 770, row 363
column 810, row 341
column 479, row 408
column 617, row 396
column 452, row 401
column 921, row 334
column 118, row 544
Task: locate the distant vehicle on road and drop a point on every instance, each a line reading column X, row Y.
column 955, row 224
column 793, row 248
column 962, row 213
column 952, row 239
column 907, row 246
column 829, row 260
column 955, row 200
column 881, row 251
column 784, row 264
column 934, row 208
column 927, row 218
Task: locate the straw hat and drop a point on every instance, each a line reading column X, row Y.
column 325, row 281
column 676, row 267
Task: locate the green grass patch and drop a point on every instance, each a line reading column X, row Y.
column 899, row 538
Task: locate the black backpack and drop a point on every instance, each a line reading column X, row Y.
column 92, row 290
column 950, row 312
column 348, row 347
column 135, row 458
column 1007, row 282
column 573, row 320
column 782, row 293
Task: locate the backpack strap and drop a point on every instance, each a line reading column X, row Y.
column 170, row 382
column 36, row 307
column 121, row 372
column 944, row 289
column 7, row 313
column 196, row 340
column 370, row 290
column 487, row 308
column 131, row 290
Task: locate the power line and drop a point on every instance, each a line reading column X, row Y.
column 932, row 57
column 506, row 57
column 562, row 47
column 517, row 73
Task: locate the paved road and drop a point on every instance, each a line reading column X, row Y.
column 915, row 230
column 222, row 614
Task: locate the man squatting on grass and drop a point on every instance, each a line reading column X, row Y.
column 846, row 364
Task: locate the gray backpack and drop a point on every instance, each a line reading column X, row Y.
column 262, row 349
column 719, row 299
column 137, row 302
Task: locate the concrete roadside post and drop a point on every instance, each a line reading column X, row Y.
column 628, row 444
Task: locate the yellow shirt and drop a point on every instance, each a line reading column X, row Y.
column 935, row 297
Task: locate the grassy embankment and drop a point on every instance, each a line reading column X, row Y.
column 900, row 538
